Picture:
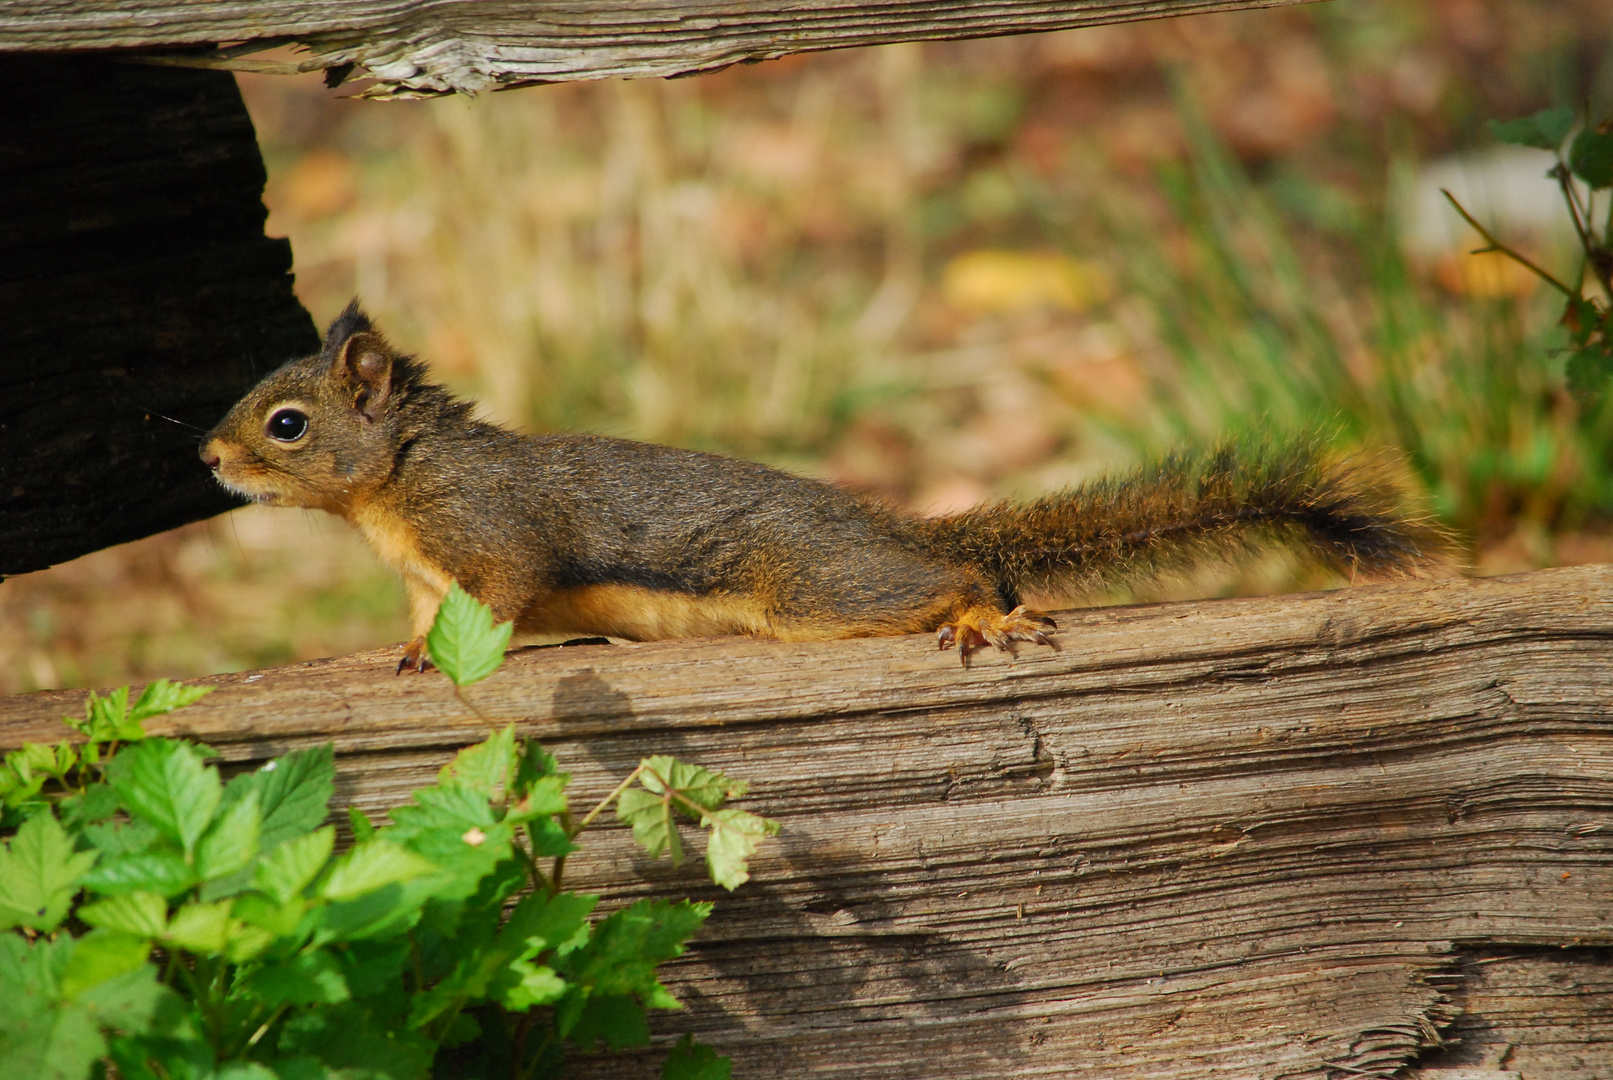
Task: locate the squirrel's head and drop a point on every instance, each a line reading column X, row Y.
column 322, row 431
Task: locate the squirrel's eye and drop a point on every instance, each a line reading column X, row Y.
column 288, row 425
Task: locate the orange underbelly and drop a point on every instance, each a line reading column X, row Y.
column 639, row 614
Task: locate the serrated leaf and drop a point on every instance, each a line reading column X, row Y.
column 163, row 872
column 621, row 954
column 165, row 783
column 40, row 1035
column 286, row 871
column 616, row 1021
column 463, row 642
column 541, row 798
column 294, row 793
column 231, row 842
column 106, row 719
column 534, row 985
column 650, row 816
column 96, row 804
column 100, row 956
column 690, row 1060
column 1545, row 130
column 359, row 822
column 309, row 978
column 705, row 788
column 244, row 941
column 143, row 914
column 201, row 928
column 373, row 865
column 734, row 837
column 541, row 921
column 280, row 919
column 163, row 696
column 1591, row 158
column 39, row 873
column 484, row 768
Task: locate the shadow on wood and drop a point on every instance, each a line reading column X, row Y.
column 1270, row 837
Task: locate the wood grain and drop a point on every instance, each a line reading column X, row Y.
column 1244, row 838
column 416, row 48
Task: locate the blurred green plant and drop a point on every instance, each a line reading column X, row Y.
column 1289, row 305
column 1589, row 158
column 165, row 924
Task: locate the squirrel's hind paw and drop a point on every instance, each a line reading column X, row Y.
column 414, row 657
column 979, row 627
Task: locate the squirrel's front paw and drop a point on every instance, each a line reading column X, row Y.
column 414, row 657
column 979, row 627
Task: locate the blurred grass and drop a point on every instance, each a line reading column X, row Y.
column 939, row 273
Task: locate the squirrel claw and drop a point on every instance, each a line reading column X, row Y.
column 976, row 629
column 414, row 657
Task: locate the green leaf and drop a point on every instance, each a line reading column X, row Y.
column 278, row 918
column 164, row 782
column 41, row 1037
column 463, row 641
column 39, row 873
column 144, row 914
column 106, row 719
column 621, row 955
column 1591, row 157
column 703, row 787
column 1588, row 372
column 98, row 803
column 618, row 1022
column 690, row 1060
column 373, row 865
column 1545, row 130
column 163, row 696
column 542, row 922
column 286, row 871
column 294, row 792
column 163, row 872
column 245, row 941
column 360, row 824
column 541, row 798
column 734, row 837
column 534, row 985
column 309, row 978
column 650, row 816
column 231, row 842
column 100, row 956
column 350, row 1037
column 484, row 768
column 202, row 928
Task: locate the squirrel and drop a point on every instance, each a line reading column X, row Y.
column 589, row 535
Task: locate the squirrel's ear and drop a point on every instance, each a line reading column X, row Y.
column 351, row 321
column 365, row 364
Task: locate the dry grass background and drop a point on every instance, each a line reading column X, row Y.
column 939, row 272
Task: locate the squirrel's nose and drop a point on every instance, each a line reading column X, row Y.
column 210, row 459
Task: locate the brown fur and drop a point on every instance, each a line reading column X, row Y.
column 587, row 535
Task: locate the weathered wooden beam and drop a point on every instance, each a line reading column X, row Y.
column 415, row 47
column 138, row 293
column 1242, row 838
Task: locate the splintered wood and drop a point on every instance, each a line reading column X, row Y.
column 470, row 46
column 1247, row 838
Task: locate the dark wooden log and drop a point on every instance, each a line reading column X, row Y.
column 138, row 293
column 1288, row 836
column 417, row 48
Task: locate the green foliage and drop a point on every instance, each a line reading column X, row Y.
column 409, row 955
column 1589, row 159
column 463, row 641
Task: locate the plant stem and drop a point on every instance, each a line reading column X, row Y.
column 1498, row 246
column 608, row 799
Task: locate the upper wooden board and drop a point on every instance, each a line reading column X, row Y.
column 415, row 48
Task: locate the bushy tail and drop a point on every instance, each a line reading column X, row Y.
column 1185, row 508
